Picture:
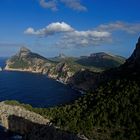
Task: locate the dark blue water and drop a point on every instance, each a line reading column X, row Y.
column 34, row 89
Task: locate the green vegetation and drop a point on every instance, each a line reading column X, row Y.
column 109, row 113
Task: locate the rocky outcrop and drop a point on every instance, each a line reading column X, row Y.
column 30, row 125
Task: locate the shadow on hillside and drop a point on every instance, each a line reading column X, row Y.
column 34, row 131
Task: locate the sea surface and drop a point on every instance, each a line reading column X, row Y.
column 34, row 89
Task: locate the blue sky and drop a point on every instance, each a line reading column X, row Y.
column 73, row 27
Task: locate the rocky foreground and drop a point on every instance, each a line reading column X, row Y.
column 30, row 125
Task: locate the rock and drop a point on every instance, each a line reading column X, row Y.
column 0, row 69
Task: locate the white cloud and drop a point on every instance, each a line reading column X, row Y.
column 131, row 28
column 53, row 4
column 51, row 29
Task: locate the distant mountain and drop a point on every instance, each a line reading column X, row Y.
column 101, row 60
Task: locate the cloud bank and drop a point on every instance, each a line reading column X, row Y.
column 53, row 4
column 70, row 37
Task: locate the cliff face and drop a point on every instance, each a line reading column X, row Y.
column 31, row 125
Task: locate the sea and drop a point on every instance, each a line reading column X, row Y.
column 34, row 89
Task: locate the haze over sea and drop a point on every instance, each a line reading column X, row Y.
column 34, row 89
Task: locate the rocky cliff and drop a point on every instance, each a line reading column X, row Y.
column 30, row 125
